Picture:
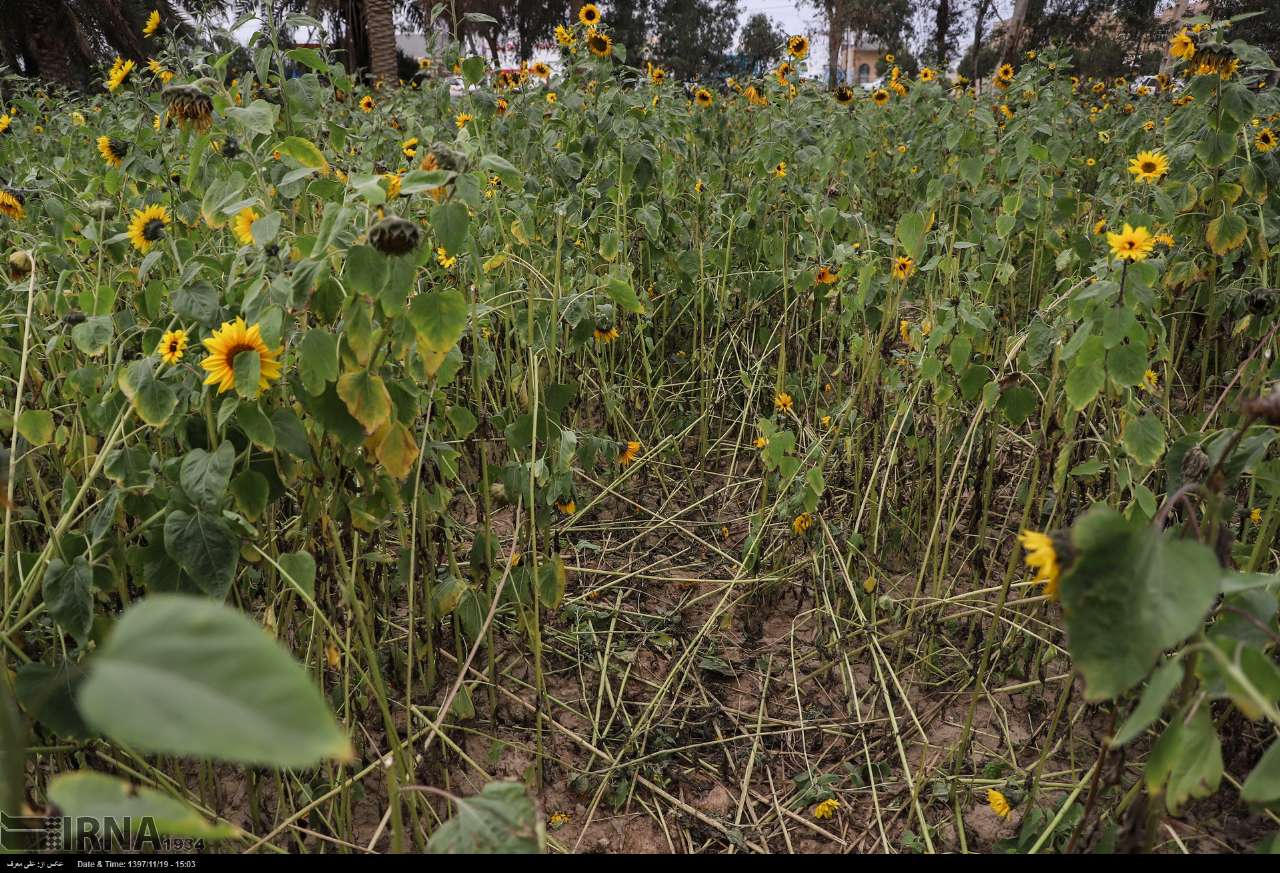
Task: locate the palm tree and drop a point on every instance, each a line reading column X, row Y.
column 380, row 26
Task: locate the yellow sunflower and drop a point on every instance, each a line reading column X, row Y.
column 780, row 170
column 1149, row 166
column 903, row 268
column 367, row 103
column 112, row 150
column 1131, row 244
column 409, row 148
column 606, row 336
column 5, row 121
column 1266, row 140
column 1182, row 46
column 798, row 47
column 826, row 276
column 541, row 70
column 844, row 95
column 657, row 75
column 159, row 71
column 242, row 227
column 11, row 205
column 152, row 25
column 462, row 119
column 1042, row 556
column 589, row 15
column 172, row 346
column 782, row 402
column 630, row 453
column 147, row 226
column 120, row 71
column 927, row 75
column 801, row 523
column 999, row 803
column 879, row 96
column 702, row 97
column 601, row 44
column 227, row 343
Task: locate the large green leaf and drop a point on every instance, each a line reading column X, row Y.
column 439, row 318
column 204, row 475
column 187, row 676
column 1186, row 762
column 1131, row 593
column 366, row 397
column 1144, row 439
column 68, row 595
column 204, row 546
column 1263, row 784
column 318, row 360
column 48, row 695
column 85, row 794
column 450, row 221
column 500, row 820
column 153, row 400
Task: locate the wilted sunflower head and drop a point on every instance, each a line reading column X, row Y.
column 798, row 46
column 147, row 227
column 600, row 44
column 189, row 106
column 844, row 95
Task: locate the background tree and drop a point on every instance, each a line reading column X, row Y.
column 380, row 26
column 944, row 33
column 761, row 42
column 694, row 36
column 630, row 22
column 869, row 21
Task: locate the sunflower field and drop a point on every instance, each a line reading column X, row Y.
column 577, row 460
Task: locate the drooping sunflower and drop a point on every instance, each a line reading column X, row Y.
column 630, row 453
column 1149, row 166
column 172, row 346
column 1131, row 244
column 152, row 25
column 702, row 97
column 783, row 71
column 189, row 106
column 903, row 268
column 1182, row 46
column 780, row 170
column 1042, row 556
column 112, row 150
column 657, row 75
column 119, row 71
column 462, row 119
column 801, row 523
column 605, row 336
column 798, row 47
column 827, row 808
column 242, row 227
column 1266, row 140
column 600, row 44
column 11, row 204
column 409, row 148
column 564, row 36
column 227, row 343
column 5, row 121
column 879, row 96
column 147, row 226
column 589, row 15
column 844, row 95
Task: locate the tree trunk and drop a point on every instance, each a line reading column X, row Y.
column 941, row 32
column 1013, row 38
column 979, row 24
column 835, row 36
column 380, row 26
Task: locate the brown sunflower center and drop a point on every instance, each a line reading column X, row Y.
column 153, row 230
column 1148, row 166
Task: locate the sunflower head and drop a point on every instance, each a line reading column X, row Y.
column 844, row 95
column 395, row 236
column 826, row 276
column 801, row 523
column 113, row 151
column 999, row 803
column 879, row 96
column 11, row 204
column 152, row 25
column 782, row 401
column 600, row 44
column 230, row 341
column 1131, row 244
column 189, row 106
column 172, row 346
column 903, row 267
column 589, row 15
column 629, row 453
column 367, row 103
column 541, row 70
column 147, row 227
column 242, row 226
column 702, row 97
column 1266, row 140
column 1149, row 166
column 119, row 71
column 1045, row 553
column 798, row 47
